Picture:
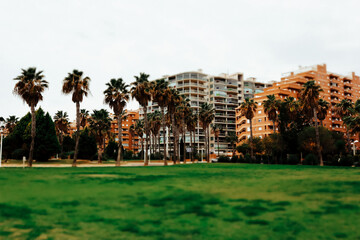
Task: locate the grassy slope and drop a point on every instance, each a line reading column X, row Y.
column 218, row 201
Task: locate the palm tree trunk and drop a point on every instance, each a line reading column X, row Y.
column 61, row 144
column 184, row 142
column 318, row 138
column 174, row 141
column 119, row 155
column 194, row 135
column 77, row 133
column 274, row 126
column 146, row 162
column 192, row 149
column 164, row 134
column 348, row 139
column 251, row 138
column 142, row 148
column 218, row 146
column 207, row 145
column 33, row 134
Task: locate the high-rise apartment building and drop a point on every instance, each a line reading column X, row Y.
column 335, row 88
column 224, row 92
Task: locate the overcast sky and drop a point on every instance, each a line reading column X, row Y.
column 111, row 39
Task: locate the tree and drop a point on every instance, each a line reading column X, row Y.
column 10, row 123
column 309, row 100
column 155, row 125
column 30, row 86
column 141, row 92
column 232, row 139
column 61, row 120
column 191, row 123
column 216, row 128
column 139, row 130
column 344, row 109
column 174, row 101
column 161, row 93
column 271, row 106
column 206, row 116
column 116, row 95
column 100, row 124
column 183, row 111
column 323, row 107
column 87, row 145
column 84, row 116
column 247, row 109
column 78, row 86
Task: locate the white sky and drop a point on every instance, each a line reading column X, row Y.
column 110, row 39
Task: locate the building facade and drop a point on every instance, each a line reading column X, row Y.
column 335, row 88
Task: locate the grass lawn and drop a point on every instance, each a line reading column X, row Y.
column 200, row 201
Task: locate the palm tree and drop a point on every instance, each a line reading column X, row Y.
column 247, row 109
column 78, row 85
column 61, row 120
column 84, row 115
column 132, row 132
column 155, row 125
column 191, row 123
column 30, row 86
column 173, row 102
column 309, row 101
column 323, row 107
column 141, row 92
column 100, row 124
column 116, row 95
column 216, row 128
column 271, row 106
column 183, row 111
column 343, row 109
column 206, row 116
column 232, row 139
column 10, row 123
column 161, row 93
column 139, row 130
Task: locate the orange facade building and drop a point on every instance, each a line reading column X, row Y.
column 335, row 88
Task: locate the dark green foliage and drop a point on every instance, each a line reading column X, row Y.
column 68, row 144
column 46, row 142
column 111, row 150
column 87, row 145
column 223, row 158
column 18, row 154
column 156, row 156
column 310, row 159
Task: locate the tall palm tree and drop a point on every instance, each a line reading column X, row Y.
column 344, row 109
column 61, row 120
column 309, row 101
column 206, row 116
column 191, row 123
column 271, row 106
column 247, row 109
column 323, row 107
column 100, row 125
column 141, row 92
column 84, row 116
column 139, row 130
column 116, row 95
column 161, row 93
column 184, row 111
column 173, row 102
column 30, row 86
column 78, row 85
column 155, row 125
column 10, row 123
column 216, row 128
column 132, row 133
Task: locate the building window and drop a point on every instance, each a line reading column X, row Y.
column 259, row 120
column 260, row 128
column 259, row 112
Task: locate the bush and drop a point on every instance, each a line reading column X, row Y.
column 347, row 160
column 293, row 159
column 18, row 154
column 310, row 159
column 224, row 159
column 234, row 159
column 156, row 156
column 65, row 155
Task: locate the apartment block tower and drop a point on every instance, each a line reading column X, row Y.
column 335, row 88
column 224, row 92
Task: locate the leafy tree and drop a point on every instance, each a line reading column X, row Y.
column 30, row 86
column 78, row 86
column 10, row 123
column 68, row 144
column 87, row 145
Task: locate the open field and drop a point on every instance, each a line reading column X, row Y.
column 199, row 201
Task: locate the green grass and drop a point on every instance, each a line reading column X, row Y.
column 216, row 201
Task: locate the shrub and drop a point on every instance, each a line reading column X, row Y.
column 293, row 159
column 18, row 154
column 234, row 159
column 310, row 159
column 247, row 158
column 224, row 159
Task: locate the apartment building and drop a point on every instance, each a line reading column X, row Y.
column 223, row 91
column 335, row 88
